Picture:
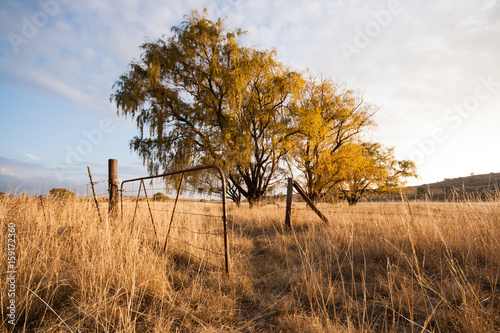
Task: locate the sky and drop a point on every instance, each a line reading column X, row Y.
column 432, row 67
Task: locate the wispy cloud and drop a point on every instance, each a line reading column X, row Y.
column 33, row 157
column 7, row 172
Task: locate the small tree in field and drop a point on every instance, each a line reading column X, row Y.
column 328, row 119
column 373, row 167
column 61, row 193
column 160, row 197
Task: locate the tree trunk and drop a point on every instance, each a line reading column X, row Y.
column 252, row 201
column 237, row 201
column 352, row 199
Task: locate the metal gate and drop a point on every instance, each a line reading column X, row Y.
column 157, row 211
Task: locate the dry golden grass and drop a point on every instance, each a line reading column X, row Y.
column 393, row 267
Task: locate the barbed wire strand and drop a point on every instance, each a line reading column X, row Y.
column 184, row 213
column 210, row 232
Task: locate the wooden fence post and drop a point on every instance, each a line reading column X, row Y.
column 113, row 188
column 289, row 193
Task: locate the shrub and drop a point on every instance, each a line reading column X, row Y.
column 160, row 197
column 61, row 193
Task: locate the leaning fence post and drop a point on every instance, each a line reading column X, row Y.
column 289, row 193
column 113, row 188
column 95, row 196
column 310, row 203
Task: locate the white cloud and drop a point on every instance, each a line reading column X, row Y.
column 7, row 172
column 33, row 157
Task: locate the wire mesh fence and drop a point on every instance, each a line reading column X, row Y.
column 182, row 212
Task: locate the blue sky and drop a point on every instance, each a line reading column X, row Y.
column 433, row 68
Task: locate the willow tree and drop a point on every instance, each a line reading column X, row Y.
column 200, row 97
column 371, row 167
column 328, row 119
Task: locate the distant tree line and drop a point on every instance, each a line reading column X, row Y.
column 203, row 97
column 57, row 193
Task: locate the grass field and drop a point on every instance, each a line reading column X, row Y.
column 388, row 267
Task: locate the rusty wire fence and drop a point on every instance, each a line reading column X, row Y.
column 183, row 213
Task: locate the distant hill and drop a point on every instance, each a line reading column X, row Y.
column 471, row 183
column 482, row 187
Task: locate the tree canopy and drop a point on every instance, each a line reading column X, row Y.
column 329, row 118
column 202, row 97
column 373, row 168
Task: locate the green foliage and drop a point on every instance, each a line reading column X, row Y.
column 160, row 197
column 61, row 193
